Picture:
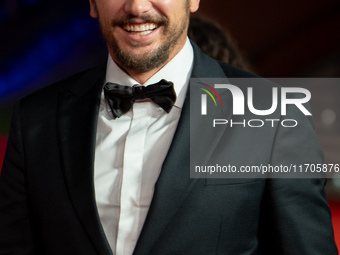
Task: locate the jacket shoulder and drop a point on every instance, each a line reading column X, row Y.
column 235, row 72
column 43, row 103
column 75, row 83
column 68, row 83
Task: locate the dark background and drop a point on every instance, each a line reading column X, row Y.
column 43, row 41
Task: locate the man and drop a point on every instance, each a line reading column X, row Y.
column 81, row 177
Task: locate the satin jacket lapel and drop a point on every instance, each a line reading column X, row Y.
column 174, row 183
column 78, row 110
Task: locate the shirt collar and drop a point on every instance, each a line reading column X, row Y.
column 178, row 70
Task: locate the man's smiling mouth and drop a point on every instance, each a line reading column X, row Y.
column 140, row 29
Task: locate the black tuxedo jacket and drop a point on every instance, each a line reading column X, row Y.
column 47, row 202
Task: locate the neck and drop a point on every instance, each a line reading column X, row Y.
column 140, row 77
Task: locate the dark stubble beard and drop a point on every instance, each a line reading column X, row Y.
column 150, row 60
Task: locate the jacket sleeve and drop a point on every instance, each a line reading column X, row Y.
column 15, row 225
column 296, row 218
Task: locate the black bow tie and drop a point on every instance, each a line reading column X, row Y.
column 121, row 98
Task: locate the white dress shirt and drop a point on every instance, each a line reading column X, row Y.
column 130, row 151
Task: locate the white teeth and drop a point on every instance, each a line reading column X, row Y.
column 142, row 33
column 140, row 29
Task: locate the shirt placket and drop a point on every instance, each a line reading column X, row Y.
column 131, row 180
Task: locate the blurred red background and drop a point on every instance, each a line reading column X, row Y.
column 3, row 143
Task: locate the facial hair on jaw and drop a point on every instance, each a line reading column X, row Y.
column 150, row 60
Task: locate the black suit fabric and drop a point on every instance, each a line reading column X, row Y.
column 47, row 202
